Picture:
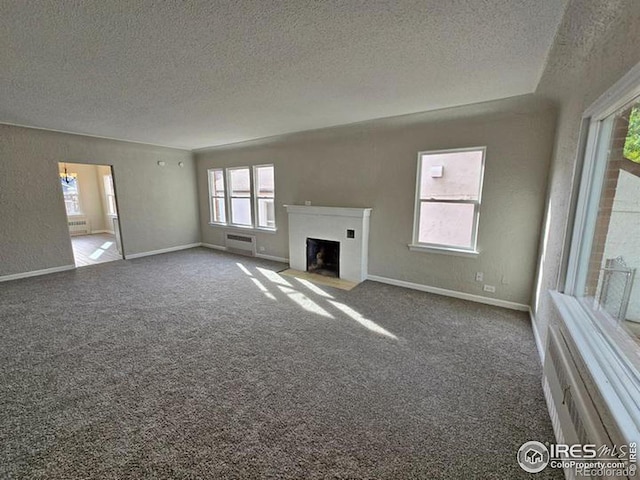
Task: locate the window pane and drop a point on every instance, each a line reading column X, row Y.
column 108, row 185
column 217, row 183
column 451, row 176
column 218, row 213
column 239, row 182
column 71, row 194
column 241, row 211
column 72, row 204
column 69, row 185
column 265, row 181
column 111, row 205
column 612, row 284
column 447, row 224
column 266, row 213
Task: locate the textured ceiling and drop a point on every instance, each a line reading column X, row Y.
column 202, row 73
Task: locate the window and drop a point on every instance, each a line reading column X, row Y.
column 109, row 195
column 243, row 197
column 608, row 256
column 448, row 193
column 265, row 200
column 218, row 204
column 240, row 196
column 600, row 306
column 71, row 193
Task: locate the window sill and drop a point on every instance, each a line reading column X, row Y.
column 443, row 250
column 614, row 375
column 243, row 229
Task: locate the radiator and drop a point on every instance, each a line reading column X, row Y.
column 79, row 226
column 573, row 414
column 239, row 243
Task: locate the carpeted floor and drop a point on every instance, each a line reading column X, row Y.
column 200, row 364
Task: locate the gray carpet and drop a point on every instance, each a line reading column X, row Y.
column 181, row 366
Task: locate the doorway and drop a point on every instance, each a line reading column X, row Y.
column 92, row 212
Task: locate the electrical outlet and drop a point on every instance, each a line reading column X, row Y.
column 262, row 249
column 307, row 202
column 489, row 288
column 479, row 276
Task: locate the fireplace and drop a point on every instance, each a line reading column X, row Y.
column 344, row 230
column 323, row 257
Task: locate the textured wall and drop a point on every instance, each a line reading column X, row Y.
column 373, row 164
column 596, row 45
column 158, row 206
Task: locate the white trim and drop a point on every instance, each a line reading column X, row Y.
column 163, row 250
column 272, row 258
column 253, row 197
column 258, row 255
column 230, row 197
column 444, row 250
column 612, row 370
column 211, row 183
column 214, row 247
column 591, row 185
column 581, row 206
column 102, row 231
column 35, row 273
column 536, row 336
column 418, row 201
column 184, row 149
column 243, row 229
column 254, row 189
column 622, row 92
column 330, row 211
column 614, row 377
column 451, row 293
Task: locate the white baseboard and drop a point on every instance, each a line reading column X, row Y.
column 536, row 335
column 102, row 231
column 163, row 250
column 258, row 255
column 272, row 258
column 451, row 293
column 214, row 247
column 35, row 273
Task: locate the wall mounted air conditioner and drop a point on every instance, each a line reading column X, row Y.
column 240, row 243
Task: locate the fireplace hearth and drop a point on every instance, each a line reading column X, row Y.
column 323, row 257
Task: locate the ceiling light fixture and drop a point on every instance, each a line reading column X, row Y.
column 66, row 176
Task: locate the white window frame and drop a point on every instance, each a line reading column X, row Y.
column 416, row 245
column 613, row 372
column 253, row 198
column 210, row 180
column 110, row 197
column 230, row 197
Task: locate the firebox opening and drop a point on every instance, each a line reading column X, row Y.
column 323, row 257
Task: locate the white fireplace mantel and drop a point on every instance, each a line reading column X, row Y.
column 331, row 223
